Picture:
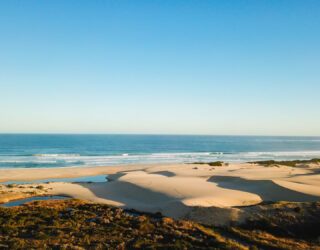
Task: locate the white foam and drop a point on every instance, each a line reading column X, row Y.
column 183, row 157
column 56, row 155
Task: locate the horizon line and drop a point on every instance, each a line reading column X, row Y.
column 150, row 134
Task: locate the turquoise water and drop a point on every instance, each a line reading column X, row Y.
column 37, row 151
column 36, row 198
column 95, row 178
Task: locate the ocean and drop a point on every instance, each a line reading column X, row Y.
column 62, row 150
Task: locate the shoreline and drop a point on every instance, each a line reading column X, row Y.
column 11, row 174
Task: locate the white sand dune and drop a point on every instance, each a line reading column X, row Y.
column 309, row 189
column 184, row 190
column 157, row 193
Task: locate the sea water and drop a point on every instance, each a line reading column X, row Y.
column 62, row 150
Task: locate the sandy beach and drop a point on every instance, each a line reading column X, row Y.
column 177, row 190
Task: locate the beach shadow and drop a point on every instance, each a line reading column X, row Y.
column 145, row 200
column 165, row 173
column 266, row 189
column 313, row 172
column 138, row 198
column 113, row 177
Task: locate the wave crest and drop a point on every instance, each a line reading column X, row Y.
column 56, row 155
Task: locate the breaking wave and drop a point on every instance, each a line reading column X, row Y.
column 68, row 160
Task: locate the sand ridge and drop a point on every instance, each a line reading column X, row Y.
column 184, row 190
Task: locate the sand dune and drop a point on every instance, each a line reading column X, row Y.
column 184, row 190
column 308, row 189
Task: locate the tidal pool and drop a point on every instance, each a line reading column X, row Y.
column 35, row 198
column 95, row 178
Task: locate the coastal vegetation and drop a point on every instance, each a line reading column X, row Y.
column 212, row 163
column 293, row 163
column 267, row 163
column 74, row 224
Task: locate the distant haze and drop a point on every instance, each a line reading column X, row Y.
column 167, row 67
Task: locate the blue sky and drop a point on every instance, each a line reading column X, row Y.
column 174, row 67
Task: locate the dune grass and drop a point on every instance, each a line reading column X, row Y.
column 212, row 163
column 293, row 163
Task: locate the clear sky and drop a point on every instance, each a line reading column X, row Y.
column 166, row 66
